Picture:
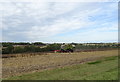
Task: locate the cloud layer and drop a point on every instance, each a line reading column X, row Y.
column 59, row 21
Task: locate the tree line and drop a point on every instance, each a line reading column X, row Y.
column 6, row 44
column 10, row 47
column 97, row 46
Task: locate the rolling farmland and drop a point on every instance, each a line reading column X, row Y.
column 59, row 40
column 50, row 61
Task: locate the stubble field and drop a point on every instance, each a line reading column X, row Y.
column 40, row 63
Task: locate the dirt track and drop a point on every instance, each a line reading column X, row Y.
column 21, row 65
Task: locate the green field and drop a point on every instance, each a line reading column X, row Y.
column 103, row 69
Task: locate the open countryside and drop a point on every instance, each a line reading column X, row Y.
column 59, row 40
column 83, row 63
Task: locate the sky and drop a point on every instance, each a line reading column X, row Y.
column 55, row 22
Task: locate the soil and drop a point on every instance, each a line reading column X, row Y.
column 23, row 65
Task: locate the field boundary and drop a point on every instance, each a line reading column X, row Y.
column 46, row 53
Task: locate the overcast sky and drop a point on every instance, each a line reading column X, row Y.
column 59, row 21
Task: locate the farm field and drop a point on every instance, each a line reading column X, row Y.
column 63, row 40
column 104, row 69
column 58, row 64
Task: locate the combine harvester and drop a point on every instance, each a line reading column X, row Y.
column 65, row 48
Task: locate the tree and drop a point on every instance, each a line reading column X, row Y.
column 30, row 48
column 52, row 47
column 27, row 49
column 8, row 50
column 39, row 43
column 18, row 50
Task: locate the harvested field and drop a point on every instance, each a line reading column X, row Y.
column 21, row 65
column 102, row 69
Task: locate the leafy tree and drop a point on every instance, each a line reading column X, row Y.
column 10, row 48
column 30, row 48
column 18, row 50
column 39, row 43
column 27, row 49
column 52, row 47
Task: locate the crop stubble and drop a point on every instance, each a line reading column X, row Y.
column 21, row 65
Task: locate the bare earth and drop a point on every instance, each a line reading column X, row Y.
column 22, row 65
